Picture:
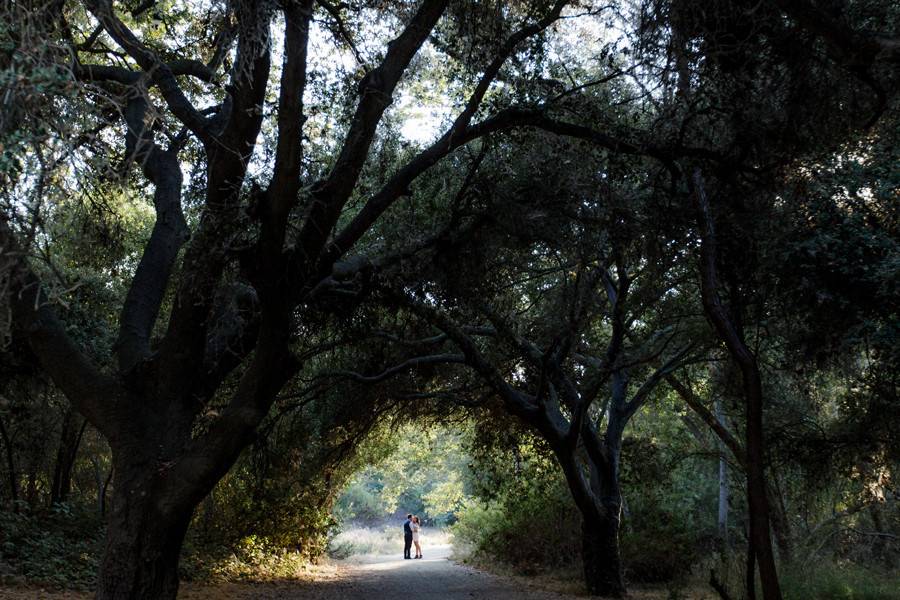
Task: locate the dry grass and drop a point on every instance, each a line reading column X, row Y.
column 360, row 543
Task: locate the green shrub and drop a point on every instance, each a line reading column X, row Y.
column 366, row 540
column 58, row 547
column 359, row 502
column 839, row 582
column 657, row 547
column 665, row 531
column 251, row 559
column 532, row 529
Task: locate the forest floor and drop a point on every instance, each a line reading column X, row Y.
column 372, row 578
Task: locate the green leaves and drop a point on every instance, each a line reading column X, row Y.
column 425, row 472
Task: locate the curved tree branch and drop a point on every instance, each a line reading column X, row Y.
column 432, row 359
column 457, row 135
column 228, row 153
column 331, row 194
column 91, row 391
column 160, row 73
column 284, row 187
column 170, row 231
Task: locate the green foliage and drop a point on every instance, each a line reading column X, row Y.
column 658, row 544
column 284, row 517
column 60, row 547
column 533, row 528
column 361, row 500
column 669, row 520
column 828, row 581
column 31, row 76
column 423, row 474
column 522, row 513
column 251, row 558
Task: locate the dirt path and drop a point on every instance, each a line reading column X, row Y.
column 378, row 578
column 434, row 576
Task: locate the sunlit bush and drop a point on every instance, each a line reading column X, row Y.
column 532, row 529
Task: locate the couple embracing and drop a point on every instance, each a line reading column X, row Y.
column 411, row 529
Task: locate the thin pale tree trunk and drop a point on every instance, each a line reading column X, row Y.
column 722, row 520
column 731, row 335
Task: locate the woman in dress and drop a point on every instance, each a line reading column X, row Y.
column 416, row 526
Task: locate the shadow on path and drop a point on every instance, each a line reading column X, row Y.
column 367, row 578
column 388, row 578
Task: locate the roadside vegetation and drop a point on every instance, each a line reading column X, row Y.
column 605, row 291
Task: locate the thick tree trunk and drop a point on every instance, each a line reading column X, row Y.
column 750, row 571
column 143, row 540
column 600, row 557
column 599, row 523
column 601, row 516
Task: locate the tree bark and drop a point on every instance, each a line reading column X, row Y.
column 757, row 499
column 144, row 538
column 600, row 557
column 750, row 574
column 600, row 504
column 731, row 334
column 781, row 525
column 103, row 489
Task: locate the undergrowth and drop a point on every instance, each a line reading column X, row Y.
column 58, row 547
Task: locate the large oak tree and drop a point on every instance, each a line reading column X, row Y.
column 147, row 405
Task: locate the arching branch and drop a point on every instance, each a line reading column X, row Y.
column 91, row 391
column 284, row 187
column 160, row 73
column 331, row 194
column 458, row 134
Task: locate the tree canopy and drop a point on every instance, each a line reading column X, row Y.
column 237, row 238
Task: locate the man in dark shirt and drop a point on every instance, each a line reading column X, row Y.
column 407, row 536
